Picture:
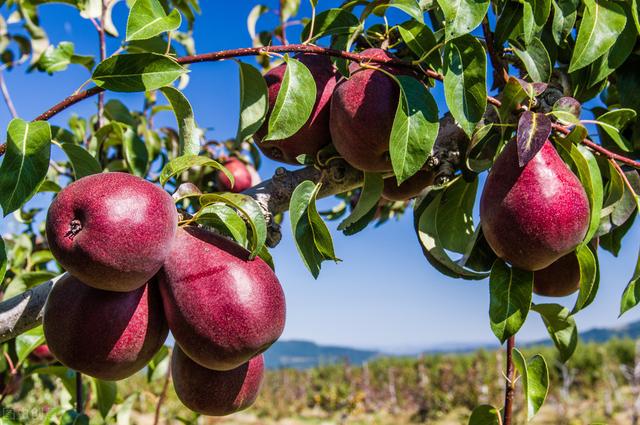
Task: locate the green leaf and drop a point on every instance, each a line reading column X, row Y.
column 189, row 132
column 631, row 294
column 136, row 154
column 136, row 72
column 602, row 23
column 106, row 392
column 613, row 122
column 311, row 234
column 510, row 291
column 225, row 220
column 485, row 415
column 454, row 217
column 426, row 226
column 147, row 19
column 28, row 341
column 369, row 197
column 294, row 103
column 83, row 163
column 254, row 101
column 183, row 163
column 561, row 327
column 252, row 19
column 56, row 59
column 289, row 8
column 158, row 367
column 591, row 179
column 535, row 15
column 462, row 16
column 564, row 18
column 465, row 87
column 422, row 42
column 414, row 130
column 588, row 277
column 25, row 163
column 536, row 61
column 534, row 375
column 379, row 7
column 250, row 209
column 331, row 22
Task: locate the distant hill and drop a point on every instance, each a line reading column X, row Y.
column 305, row 354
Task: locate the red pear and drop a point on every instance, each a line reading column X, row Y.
column 362, row 112
column 409, row 188
column 111, row 230
column 41, row 355
column 222, row 308
column 212, row 392
column 242, row 177
column 533, row 215
column 560, row 279
column 107, row 335
column 314, row 135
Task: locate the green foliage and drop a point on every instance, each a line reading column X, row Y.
column 136, row 72
column 147, row 19
column 510, row 290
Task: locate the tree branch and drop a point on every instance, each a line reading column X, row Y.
column 510, row 383
column 7, row 97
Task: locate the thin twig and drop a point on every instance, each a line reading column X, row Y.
column 306, row 48
column 7, row 96
column 510, row 383
column 103, row 56
column 500, row 71
column 162, row 396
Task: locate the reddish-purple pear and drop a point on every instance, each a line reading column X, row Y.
column 560, row 279
column 222, row 307
column 104, row 334
column 409, row 188
column 111, row 230
column 314, row 134
column 533, row 215
column 362, row 111
column 212, row 392
column 242, row 177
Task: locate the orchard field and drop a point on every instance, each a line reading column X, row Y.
column 596, row 386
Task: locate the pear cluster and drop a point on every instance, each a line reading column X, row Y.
column 354, row 114
column 133, row 276
column 535, row 216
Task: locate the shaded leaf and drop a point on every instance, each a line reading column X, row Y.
column 631, row 294
column 106, row 392
column 183, row 163
column 561, row 327
column 189, row 132
column 534, row 129
column 536, row 60
column 136, row 154
column 485, row 415
column 331, row 22
column 588, row 278
column 254, row 101
column 534, row 375
column 28, row 341
column 422, row 42
column 83, row 163
column 368, row 200
column 611, row 123
column 462, row 16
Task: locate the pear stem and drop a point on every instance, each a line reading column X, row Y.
column 510, row 383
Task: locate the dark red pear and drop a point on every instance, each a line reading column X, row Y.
column 111, row 230
column 362, row 111
column 314, row 135
column 41, row 355
column 216, row 393
column 242, row 177
column 222, row 308
column 533, row 215
column 409, row 188
column 560, row 279
column 104, row 334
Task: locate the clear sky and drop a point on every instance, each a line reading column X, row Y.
column 383, row 294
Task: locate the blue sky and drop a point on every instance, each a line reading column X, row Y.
column 383, row 294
